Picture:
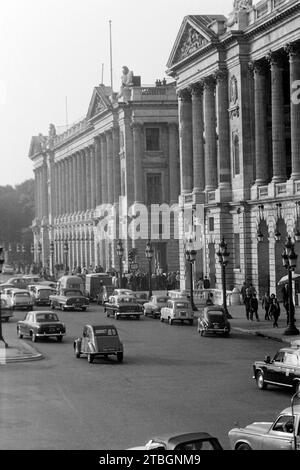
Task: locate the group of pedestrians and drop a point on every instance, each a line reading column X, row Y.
column 272, row 308
column 270, row 305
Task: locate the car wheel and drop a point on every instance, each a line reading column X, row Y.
column 7, row 319
column 77, row 353
column 59, row 339
column 201, row 333
column 34, row 338
column 161, row 319
column 243, row 446
column 145, row 312
column 137, row 317
column 19, row 333
column 52, row 306
column 120, row 357
column 116, row 316
column 191, row 322
column 170, row 321
column 83, row 309
column 90, row 358
column 260, row 381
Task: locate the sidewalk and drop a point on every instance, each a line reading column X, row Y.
column 17, row 351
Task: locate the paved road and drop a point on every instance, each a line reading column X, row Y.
column 171, row 379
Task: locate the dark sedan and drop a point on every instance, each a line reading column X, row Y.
column 69, row 299
column 213, row 320
column 186, row 441
column 41, row 325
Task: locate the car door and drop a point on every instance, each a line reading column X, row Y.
column 84, row 340
column 275, row 371
column 280, row 436
column 27, row 321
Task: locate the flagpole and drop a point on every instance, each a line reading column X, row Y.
column 111, row 70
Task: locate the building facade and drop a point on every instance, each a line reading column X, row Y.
column 91, row 178
column 238, row 85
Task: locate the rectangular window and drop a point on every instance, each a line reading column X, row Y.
column 237, row 255
column 152, row 139
column 154, row 188
column 211, row 223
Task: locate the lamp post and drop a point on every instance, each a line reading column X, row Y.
column 18, row 257
column 120, row 253
column 1, row 264
column 289, row 261
column 223, row 256
column 52, row 257
column 149, row 256
column 40, row 249
column 190, row 256
column 24, row 257
column 66, row 251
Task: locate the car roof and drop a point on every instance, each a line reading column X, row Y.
column 214, row 308
column 292, row 350
column 183, row 437
column 288, row 410
column 22, row 291
column 100, row 326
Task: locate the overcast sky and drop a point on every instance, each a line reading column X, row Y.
column 53, row 49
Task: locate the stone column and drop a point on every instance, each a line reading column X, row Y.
column 261, row 132
column 79, row 181
column 278, row 129
column 75, row 185
column 56, row 186
column 60, row 190
column 45, row 189
column 93, row 177
column 110, row 168
column 98, row 171
column 294, row 54
column 37, row 190
column 224, row 165
column 198, row 144
column 104, row 168
column 65, row 186
column 117, row 165
column 185, row 140
column 69, row 188
column 174, row 177
column 88, row 177
column 137, row 161
column 83, row 179
column 211, row 173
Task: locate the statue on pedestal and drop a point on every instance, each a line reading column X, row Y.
column 126, row 80
column 238, row 7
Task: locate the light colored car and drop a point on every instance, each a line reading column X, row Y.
column 177, row 310
column 41, row 325
column 21, row 299
column 155, row 304
column 282, row 434
column 99, row 341
column 190, row 441
column 40, row 294
column 123, row 292
column 123, row 306
column 6, row 307
column 8, row 269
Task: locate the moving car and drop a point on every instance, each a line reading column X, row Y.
column 6, row 307
column 283, row 370
column 213, row 320
column 141, row 297
column 177, row 309
column 123, row 292
column 123, row 306
column 40, row 294
column 99, row 341
column 41, row 325
column 282, row 434
column 18, row 282
column 154, row 306
column 8, row 269
column 186, row 441
column 21, row 299
column 69, row 299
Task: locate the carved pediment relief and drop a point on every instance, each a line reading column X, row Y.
column 99, row 103
column 191, row 41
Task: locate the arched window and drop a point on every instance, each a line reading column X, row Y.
column 236, row 153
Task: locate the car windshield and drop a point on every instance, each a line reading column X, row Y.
column 73, row 292
column 181, row 305
column 43, row 317
column 105, row 332
column 197, row 445
column 162, row 300
column 22, row 294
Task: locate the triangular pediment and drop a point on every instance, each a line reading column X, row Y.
column 100, row 101
column 193, row 35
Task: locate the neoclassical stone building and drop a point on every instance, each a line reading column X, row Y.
column 124, row 151
column 238, row 85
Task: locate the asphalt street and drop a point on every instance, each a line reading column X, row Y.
column 172, row 380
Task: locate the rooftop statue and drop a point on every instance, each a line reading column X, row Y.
column 238, row 6
column 126, row 80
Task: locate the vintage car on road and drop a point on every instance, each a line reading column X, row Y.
column 283, row 370
column 182, row 442
column 141, row 297
column 8, row 269
column 282, row 434
column 21, row 299
column 123, row 292
column 124, row 306
column 40, row 294
column 99, row 341
column 213, row 320
column 155, row 304
column 41, row 325
column 6, row 307
column 177, row 310
column 69, row 299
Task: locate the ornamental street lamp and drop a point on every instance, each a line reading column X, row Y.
column 66, row 251
column 190, row 256
column 149, row 256
column 223, row 256
column 24, row 257
column 40, row 249
column 52, row 257
column 120, row 253
column 1, row 264
column 289, row 261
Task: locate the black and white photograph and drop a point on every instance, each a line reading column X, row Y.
column 150, row 229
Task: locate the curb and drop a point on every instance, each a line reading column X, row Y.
column 30, row 355
column 262, row 335
column 8, row 360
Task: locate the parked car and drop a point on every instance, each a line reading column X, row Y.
column 123, row 306
column 213, row 320
column 282, row 434
column 71, row 282
column 6, row 285
column 40, row 294
column 283, row 370
column 18, row 282
column 6, row 307
column 154, row 306
column 21, row 299
column 99, row 341
column 69, row 299
column 182, row 442
column 8, row 269
column 141, row 297
column 41, row 325
column 123, row 292
column 177, row 309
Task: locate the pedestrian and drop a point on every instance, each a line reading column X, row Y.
column 285, row 299
column 210, row 299
column 206, row 283
column 254, row 307
column 251, row 290
column 266, row 302
column 247, row 303
column 274, row 311
column 243, row 292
